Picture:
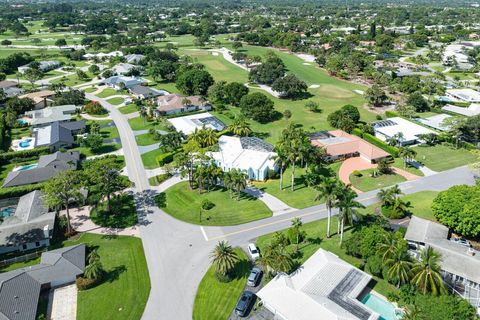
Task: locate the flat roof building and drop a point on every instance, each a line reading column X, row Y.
column 464, row 95
column 436, row 122
column 188, row 124
column 470, row 111
column 410, row 132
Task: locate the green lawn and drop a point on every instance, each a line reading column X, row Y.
column 18, row 133
column 149, row 159
column 18, row 265
column 185, row 204
column 124, row 292
column 107, row 148
column 72, row 80
column 216, row 300
column 401, row 165
column 315, row 239
column 441, row 157
column 368, row 183
column 123, row 212
column 128, row 109
column 145, row 139
column 116, row 101
column 140, row 123
column 90, row 89
column 105, row 93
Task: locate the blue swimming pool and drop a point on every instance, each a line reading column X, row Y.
column 27, row 167
column 22, row 121
column 25, row 143
column 385, row 309
column 7, row 212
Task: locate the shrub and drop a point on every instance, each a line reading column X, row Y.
column 95, row 108
column 84, row 283
column 391, row 213
column 14, row 192
column 391, row 114
column 157, row 180
column 382, row 145
column 165, row 158
column 23, row 155
column 357, row 173
column 375, row 265
column 207, row 204
column 223, row 278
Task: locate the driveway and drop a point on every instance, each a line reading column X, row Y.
column 62, row 303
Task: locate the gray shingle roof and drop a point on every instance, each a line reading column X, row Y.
column 146, row 91
column 47, row 167
column 20, row 289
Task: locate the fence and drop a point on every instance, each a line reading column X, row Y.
column 26, row 257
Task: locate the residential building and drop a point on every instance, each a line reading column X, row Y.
column 26, row 224
column 20, row 289
column 190, row 123
column 58, row 135
column 128, row 82
column 470, row 111
column 46, row 168
column 134, row 58
column 460, row 264
column 250, row 154
column 464, row 95
column 103, row 55
column 340, row 145
column 123, row 68
column 10, row 88
column 43, row 66
column 42, row 99
column 324, row 287
column 454, row 55
column 436, row 122
column 406, row 131
column 144, row 92
column 175, row 103
column 51, row 114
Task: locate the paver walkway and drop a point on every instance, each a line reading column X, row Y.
column 62, row 303
column 277, row 206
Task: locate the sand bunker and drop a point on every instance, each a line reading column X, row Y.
column 314, row 86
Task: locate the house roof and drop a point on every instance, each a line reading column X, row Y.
column 57, row 132
column 128, row 81
column 454, row 257
column 20, row 289
column 39, row 95
column 188, row 124
column 7, row 84
column 324, row 287
column 147, row 91
column 472, row 110
column 392, row 126
column 468, row 95
column 134, row 58
column 171, row 102
column 48, row 166
column 436, row 121
column 122, row 68
column 51, row 114
column 28, row 222
column 339, row 143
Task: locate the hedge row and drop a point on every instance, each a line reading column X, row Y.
column 15, row 192
column 165, row 158
column 9, row 156
column 391, row 114
column 376, row 142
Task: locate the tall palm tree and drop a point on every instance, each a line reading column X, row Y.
column 228, row 181
column 239, row 181
column 240, row 127
column 427, row 272
column 209, row 137
column 328, row 190
column 223, row 258
column 276, row 259
column 281, row 160
column 296, row 225
column 348, row 207
column 407, row 155
column 196, row 136
column 387, row 247
column 399, row 266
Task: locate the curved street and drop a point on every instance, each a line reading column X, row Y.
column 177, row 253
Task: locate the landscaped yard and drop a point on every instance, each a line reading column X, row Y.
column 401, row 165
column 145, row 139
column 115, row 101
column 106, row 148
column 366, row 182
column 124, row 292
column 107, row 93
column 185, row 204
column 316, row 238
column 149, row 159
column 128, row 109
column 90, row 89
column 123, row 212
column 441, row 157
column 216, row 300
column 140, row 123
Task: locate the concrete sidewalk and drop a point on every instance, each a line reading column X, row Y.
column 277, row 206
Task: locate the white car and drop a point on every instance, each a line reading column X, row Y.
column 253, row 251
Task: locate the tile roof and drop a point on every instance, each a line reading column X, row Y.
column 174, row 101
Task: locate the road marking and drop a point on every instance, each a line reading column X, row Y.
column 204, row 233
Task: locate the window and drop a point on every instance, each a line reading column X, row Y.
column 37, row 244
column 24, row 247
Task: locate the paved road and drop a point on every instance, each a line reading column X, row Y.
column 177, row 253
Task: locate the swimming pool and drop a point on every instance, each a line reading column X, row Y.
column 22, row 121
column 27, row 167
column 385, row 309
column 25, row 143
column 7, row 212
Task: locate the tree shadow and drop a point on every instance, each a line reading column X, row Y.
column 114, row 274
column 161, row 200
column 241, row 269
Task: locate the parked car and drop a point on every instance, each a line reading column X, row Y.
column 463, row 242
column 254, row 277
column 243, row 304
column 253, row 251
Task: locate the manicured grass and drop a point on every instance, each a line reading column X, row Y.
column 72, row 80
column 216, row 300
column 441, row 157
column 145, row 139
column 18, row 265
column 124, row 292
column 149, row 159
column 123, row 213
column 368, row 183
column 18, row 133
column 140, row 123
column 128, row 109
column 107, row 93
column 107, row 148
column 90, row 89
column 401, row 165
column 316, row 238
column 115, row 101
column 185, row 204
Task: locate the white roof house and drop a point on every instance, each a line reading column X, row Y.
column 472, row 110
column 123, row 68
column 51, row 114
column 464, row 95
column 436, row 122
column 249, row 154
column 103, row 55
column 188, row 124
column 386, row 129
column 134, row 58
column 456, row 51
column 324, row 287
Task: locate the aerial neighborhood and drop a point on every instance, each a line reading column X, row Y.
column 263, row 160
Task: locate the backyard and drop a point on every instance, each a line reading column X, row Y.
column 185, row 204
column 442, row 157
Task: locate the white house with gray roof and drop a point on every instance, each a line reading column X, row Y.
column 460, row 264
column 58, row 135
column 115, row 82
column 51, row 114
column 27, row 224
column 20, row 289
column 134, row 58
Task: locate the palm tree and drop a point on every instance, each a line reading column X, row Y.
column 328, row 190
column 209, row 137
column 93, row 256
column 387, row 247
column 240, row 127
column 427, row 272
column 280, row 159
column 407, row 155
column 348, row 207
column 296, row 225
column 411, row 312
column 228, row 181
column 239, row 181
column 223, row 258
column 276, row 259
column 399, row 266
column 93, row 270
column 196, row 136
